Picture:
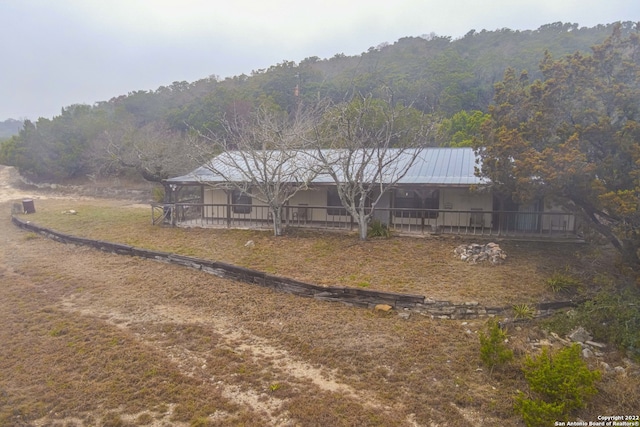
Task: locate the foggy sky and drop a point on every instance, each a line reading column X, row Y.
column 61, row 52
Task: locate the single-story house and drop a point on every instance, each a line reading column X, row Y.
column 440, row 191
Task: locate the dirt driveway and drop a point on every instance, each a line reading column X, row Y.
column 91, row 338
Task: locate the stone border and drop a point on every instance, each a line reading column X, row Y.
column 352, row 296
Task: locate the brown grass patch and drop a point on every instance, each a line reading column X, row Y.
column 91, row 338
column 416, row 265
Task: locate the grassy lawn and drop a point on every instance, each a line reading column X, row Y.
column 417, row 265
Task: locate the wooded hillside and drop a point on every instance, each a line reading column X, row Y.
column 9, row 128
column 435, row 74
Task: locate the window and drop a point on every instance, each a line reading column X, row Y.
column 240, row 202
column 334, row 204
column 420, row 200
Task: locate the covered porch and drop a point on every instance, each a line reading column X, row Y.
column 514, row 224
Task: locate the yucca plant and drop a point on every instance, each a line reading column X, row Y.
column 562, row 282
column 378, row 229
column 523, row 311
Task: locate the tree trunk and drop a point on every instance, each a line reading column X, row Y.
column 363, row 225
column 629, row 251
column 276, row 213
column 152, row 177
column 628, row 248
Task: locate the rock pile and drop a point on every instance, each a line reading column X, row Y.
column 590, row 349
column 475, row 253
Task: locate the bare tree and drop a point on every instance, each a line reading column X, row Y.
column 154, row 151
column 367, row 146
column 262, row 155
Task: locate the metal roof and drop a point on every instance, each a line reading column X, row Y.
column 446, row 166
column 434, row 166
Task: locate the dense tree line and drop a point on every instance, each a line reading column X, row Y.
column 554, row 114
column 9, row 128
column 450, row 79
column 574, row 136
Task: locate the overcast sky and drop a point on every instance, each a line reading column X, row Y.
column 55, row 53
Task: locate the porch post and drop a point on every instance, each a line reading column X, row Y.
column 167, row 193
column 229, row 193
column 202, row 213
column 174, row 214
column 168, row 205
column 286, row 213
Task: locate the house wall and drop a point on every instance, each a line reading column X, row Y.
column 463, row 199
column 382, row 213
column 215, row 197
column 299, row 202
column 454, row 200
column 454, row 204
column 313, row 197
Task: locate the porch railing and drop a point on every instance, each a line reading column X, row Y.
column 401, row 220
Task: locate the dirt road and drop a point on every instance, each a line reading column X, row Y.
column 8, row 180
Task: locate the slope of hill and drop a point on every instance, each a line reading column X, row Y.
column 436, row 75
column 9, row 128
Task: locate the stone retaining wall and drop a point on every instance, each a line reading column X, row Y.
column 351, row 296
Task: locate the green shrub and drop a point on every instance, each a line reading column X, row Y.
column 562, row 282
column 378, row 229
column 493, row 348
column 157, row 193
column 536, row 412
column 610, row 316
column 614, row 317
column 561, row 383
column 523, row 311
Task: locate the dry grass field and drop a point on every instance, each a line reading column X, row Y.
column 91, row 338
column 422, row 265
